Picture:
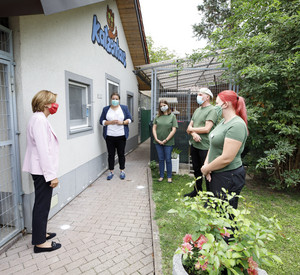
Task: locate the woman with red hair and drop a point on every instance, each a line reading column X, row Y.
column 223, row 166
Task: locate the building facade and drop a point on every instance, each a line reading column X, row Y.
column 83, row 54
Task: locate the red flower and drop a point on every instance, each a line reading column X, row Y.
column 186, row 247
column 187, row 238
column 252, row 270
column 201, row 240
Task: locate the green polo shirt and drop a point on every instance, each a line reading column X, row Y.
column 164, row 125
column 234, row 129
column 199, row 118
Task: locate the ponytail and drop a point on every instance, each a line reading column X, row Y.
column 238, row 103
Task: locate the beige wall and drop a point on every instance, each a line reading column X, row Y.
column 47, row 46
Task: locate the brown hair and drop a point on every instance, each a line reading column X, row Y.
column 115, row 93
column 41, row 99
column 160, row 113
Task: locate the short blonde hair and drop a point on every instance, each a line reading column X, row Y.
column 41, row 99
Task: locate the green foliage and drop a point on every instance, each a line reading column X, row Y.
column 260, row 199
column 153, row 165
column 260, row 44
column 214, row 13
column 214, row 220
column 175, row 153
column 157, row 54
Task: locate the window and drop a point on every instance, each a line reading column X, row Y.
column 79, row 104
column 130, row 103
column 112, row 87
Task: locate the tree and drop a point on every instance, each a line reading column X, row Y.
column 260, row 43
column 157, row 54
column 215, row 13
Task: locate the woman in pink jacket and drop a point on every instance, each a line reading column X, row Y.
column 41, row 161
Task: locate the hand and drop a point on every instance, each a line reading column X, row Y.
column 208, row 177
column 196, row 137
column 120, row 122
column 54, row 183
column 114, row 122
column 204, row 170
column 160, row 142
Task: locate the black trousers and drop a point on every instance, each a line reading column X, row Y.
column 113, row 143
column 41, row 208
column 233, row 181
column 198, row 158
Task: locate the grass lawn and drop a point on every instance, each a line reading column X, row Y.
column 265, row 201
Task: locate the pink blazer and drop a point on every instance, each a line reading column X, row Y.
column 42, row 152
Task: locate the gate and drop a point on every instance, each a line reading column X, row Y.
column 11, row 222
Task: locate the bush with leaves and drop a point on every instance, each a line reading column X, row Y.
column 224, row 238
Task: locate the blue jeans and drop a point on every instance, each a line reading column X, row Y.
column 164, row 154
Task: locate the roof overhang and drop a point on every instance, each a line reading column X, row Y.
column 131, row 17
column 183, row 74
column 30, row 7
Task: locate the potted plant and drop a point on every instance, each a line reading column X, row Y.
column 175, row 159
column 225, row 240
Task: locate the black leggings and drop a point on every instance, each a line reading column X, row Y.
column 233, row 181
column 113, row 143
column 198, row 158
column 41, row 208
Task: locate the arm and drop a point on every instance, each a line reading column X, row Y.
column 194, row 135
column 202, row 130
column 172, row 133
column 40, row 134
column 155, row 135
column 127, row 116
column 230, row 150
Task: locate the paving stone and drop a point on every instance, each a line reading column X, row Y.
column 109, row 234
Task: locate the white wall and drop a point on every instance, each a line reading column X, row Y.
column 47, row 46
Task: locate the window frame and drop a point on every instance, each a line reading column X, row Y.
column 83, row 82
column 131, row 111
column 111, row 80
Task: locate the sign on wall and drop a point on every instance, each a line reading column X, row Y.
column 108, row 37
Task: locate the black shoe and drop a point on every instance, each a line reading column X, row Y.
column 51, row 235
column 192, row 194
column 53, row 247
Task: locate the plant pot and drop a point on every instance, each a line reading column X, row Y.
column 178, row 268
column 175, row 165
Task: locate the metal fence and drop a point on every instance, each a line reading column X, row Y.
column 178, row 82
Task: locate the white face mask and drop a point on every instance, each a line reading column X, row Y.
column 164, row 108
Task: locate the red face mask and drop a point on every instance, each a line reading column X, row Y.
column 53, row 108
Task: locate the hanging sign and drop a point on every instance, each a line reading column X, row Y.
column 108, row 37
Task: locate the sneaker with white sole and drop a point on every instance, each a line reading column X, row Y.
column 110, row 176
column 122, row 175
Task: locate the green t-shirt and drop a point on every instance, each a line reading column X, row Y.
column 199, row 118
column 164, row 125
column 235, row 129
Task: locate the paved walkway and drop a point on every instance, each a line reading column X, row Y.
column 110, row 229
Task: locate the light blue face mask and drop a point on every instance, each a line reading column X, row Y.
column 219, row 111
column 200, row 100
column 115, row 102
